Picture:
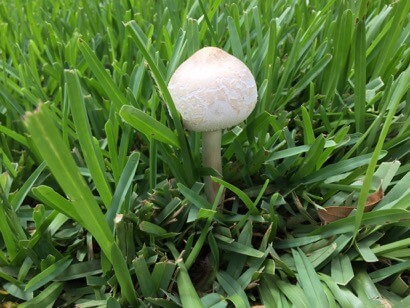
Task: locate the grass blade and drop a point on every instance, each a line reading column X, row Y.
column 162, row 275
column 50, row 144
column 269, row 293
column 19, row 197
column 93, row 160
column 400, row 88
column 360, row 77
column 55, row 201
column 236, row 295
column 341, row 269
column 239, row 248
column 389, row 271
column 144, row 277
column 243, row 196
column 122, row 188
column 341, row 167
column 123, row 275
column 46, row 298
column 347, row 225
column 136, row 34
column 187, row 292
column 102, row 76
column 147, row 125
column 343, row 296
column 48, row 274
column 309, row 280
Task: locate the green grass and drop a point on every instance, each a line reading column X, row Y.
column 101, row 192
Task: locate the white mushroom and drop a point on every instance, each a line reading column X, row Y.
column 212, row 90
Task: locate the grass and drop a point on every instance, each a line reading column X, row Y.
column 102, row 201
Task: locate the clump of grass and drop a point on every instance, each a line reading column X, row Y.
column 101, row 188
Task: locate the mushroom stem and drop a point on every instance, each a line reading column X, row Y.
column 211, row 153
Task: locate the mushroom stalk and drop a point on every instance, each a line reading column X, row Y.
column 211, row 153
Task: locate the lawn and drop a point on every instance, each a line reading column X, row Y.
column 102, row 187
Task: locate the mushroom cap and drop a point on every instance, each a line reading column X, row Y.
column 213, row 90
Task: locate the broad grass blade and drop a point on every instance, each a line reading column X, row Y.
column 309, row 280
column 47, row 297
column 187, row 293
column 92, row 155
column 48, row 274
column 236, row 294
column 148, row 126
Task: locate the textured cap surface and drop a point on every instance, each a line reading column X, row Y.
column 213, row 90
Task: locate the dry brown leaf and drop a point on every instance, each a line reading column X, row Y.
column 333, row 213
column 375, row 198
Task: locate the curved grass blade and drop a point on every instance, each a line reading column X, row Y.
column 136, row 34
column 243, row 196
column 102, row 76
column 148, row 125
column 14, row 135
column 55, row 201
column 194, row 197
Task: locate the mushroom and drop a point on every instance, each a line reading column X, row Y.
column 212, row 90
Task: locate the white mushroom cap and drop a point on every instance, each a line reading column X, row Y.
column 213, row 90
